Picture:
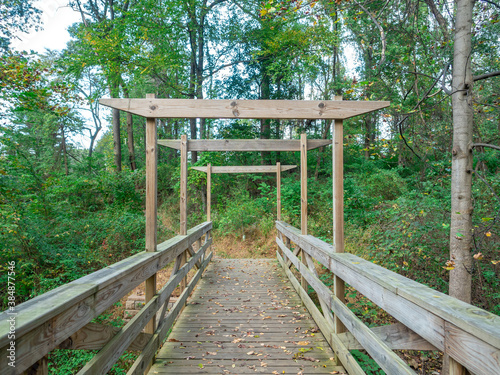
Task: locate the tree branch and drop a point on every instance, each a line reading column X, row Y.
column 381, row 30
column 487, row 75
column 492, row 3
column 485, row 145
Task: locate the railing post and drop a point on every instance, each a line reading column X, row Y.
column 278, row 191
column 209, row 191
column 303, row 198
column 183, row 201
column 338, row 209
column 151, row 205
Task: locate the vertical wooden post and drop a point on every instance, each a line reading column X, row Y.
column 456, row 368
column 338, row 209
column 278, row 191
column 209, row 192
column 151, row 209
column 303, row 197
column 183, row 200
column 303, row 183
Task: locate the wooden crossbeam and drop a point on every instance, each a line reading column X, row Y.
column 248, row 109
column 246, row 169
column 244, row 144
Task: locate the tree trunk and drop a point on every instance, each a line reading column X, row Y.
column 116, row 140
column 65, row 155
column 265, row 124
column 130, row 142
column 461, row 166
column 461, row 175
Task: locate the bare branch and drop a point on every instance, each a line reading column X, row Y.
column 492, row 3
column 439, row 18
column 487, row 75
column 382, row 33
column 485, row 145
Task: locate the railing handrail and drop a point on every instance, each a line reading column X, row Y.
column 47, row 320
column 467, row 333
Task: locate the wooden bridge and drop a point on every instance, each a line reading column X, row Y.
column 247, row 316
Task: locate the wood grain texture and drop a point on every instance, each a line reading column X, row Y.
column 341, row 351
column 183, row 186
column 423, row 310
column 151, row 183
column 103, row 361
column 151, row 205
column 246, row 169
column 231, row 317
column 338, row 209
column 303, row 183
column 140, row 365
column 251, row 109
column 47, row 320
column 379, row 351
column 94, row 336
column 209, row 192
column 396, row 336
column 253, row 145
column 278, row 189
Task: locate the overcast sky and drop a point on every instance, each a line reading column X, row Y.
column 56, row 18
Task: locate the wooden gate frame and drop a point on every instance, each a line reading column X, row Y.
column 152, row 108
column 278, row 168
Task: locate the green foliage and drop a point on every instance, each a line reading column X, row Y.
column 69, row 362
column 386, row 184
column 367, row 363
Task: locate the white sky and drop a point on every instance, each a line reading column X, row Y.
column 56, row 18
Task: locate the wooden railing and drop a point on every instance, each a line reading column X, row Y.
column 62, row 317
column 429, row 320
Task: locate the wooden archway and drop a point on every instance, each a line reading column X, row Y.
column 152, row 108
column 278, row 168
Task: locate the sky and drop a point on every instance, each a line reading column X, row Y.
column 56, row 18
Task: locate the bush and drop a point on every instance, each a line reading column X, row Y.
column 386, row 184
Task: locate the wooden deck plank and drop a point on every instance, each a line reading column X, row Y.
column 244, row 317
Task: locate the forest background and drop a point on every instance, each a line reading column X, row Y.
column 68, row 210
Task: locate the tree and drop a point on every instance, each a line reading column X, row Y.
column 16, row 16
column 461, row 176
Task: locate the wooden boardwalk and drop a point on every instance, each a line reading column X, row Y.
column 244, row 317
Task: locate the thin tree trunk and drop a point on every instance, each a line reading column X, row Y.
column 116, row 140
column 65, row 155
column 130, row 142
column 461, row 166
column 265, row 124
column 461, row 175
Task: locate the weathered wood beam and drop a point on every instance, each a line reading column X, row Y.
column 246, row 169
column 389, row 361
column 72, row 306
column 338, row 208
column 244, row 144
column 248, row 109
column 278, row 189
column 397, row 337
column 209, row 191
column 95, row 336
column 467, row 333
column 151, row 206
column 346, row 358
column 102, row 362
column 166, row 324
